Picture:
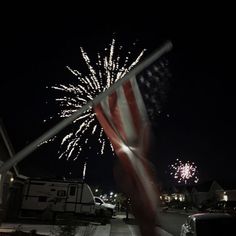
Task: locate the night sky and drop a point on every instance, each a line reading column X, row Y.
column 197, row 118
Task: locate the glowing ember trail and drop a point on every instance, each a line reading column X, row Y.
column 109, row 68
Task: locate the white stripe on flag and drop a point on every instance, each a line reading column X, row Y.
column 139, row 100
column 126, row 118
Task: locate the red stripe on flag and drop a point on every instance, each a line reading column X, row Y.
column 133, row 106
column 107, row 126
column 115, row 115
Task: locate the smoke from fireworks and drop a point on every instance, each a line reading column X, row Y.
column 184, row 172
column 109, row 68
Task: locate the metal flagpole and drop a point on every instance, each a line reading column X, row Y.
column 64, row 123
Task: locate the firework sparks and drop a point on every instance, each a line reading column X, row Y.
column 184, row 172
column 108, row 68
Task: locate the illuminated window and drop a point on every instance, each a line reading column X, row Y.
column 225, row 197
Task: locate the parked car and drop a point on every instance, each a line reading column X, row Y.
column 223, row 206
column 103, row 208
column 209, row 224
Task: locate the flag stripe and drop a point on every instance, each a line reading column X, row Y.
column 103, row 118
column 145, row 137
column 131, row 102
column 123, row 117
column 126, row 118
column 115, row 117
column 139, row 100
column 126, row 122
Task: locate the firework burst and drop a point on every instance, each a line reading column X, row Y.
column 184, row 172
column 109, row 68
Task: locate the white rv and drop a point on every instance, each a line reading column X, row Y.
column 57, row 195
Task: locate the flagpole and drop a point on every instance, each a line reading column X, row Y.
column 64, row 123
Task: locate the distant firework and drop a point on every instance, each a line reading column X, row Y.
column 108, row 68
column 184, row 172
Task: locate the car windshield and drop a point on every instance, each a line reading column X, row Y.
column 215, row 227
column 97, row 200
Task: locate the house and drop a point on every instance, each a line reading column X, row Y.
column 176, row 193
column 213, row 191
column 184, row 192
column 205, row 192
column 228, row 191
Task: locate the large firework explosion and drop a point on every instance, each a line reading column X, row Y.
column 184, row 172
column 108, row 68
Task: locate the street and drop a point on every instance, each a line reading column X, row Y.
column 118, row 227
column 171, row 222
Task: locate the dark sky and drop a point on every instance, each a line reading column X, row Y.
column 37, row 47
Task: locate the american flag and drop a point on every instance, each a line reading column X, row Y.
column 124, row 116
column 154, row 86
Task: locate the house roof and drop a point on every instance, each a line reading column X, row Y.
column 224, row 184
column 227, row 184
column 204, row 187
column 184, row 188
column 177, row 189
